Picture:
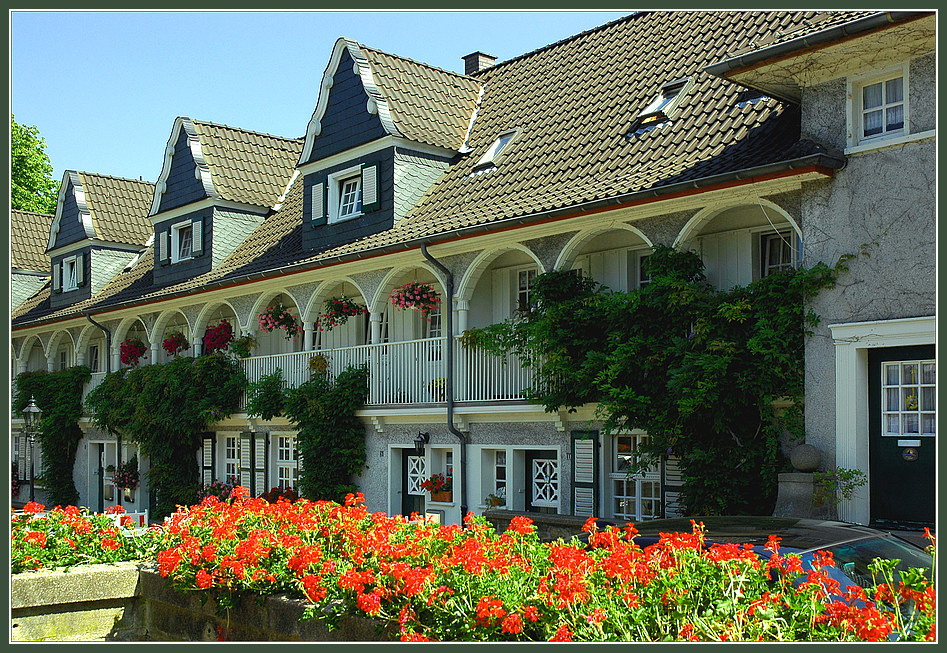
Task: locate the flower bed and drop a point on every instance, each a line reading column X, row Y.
column 451, row 583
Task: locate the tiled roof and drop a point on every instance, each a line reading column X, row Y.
column 574, row 103
column 246, row 166
column 812, row 22
column 427, row 104
column 29, row 235
column 119, row 207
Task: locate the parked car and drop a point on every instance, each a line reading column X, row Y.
column 853, row 546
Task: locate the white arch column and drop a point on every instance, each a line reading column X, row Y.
column 309, row 328
column 80, row 358
column 462, row 308
column 116, row 355
column 51, row 363
column 374, row 322
column 154, row 352
column 197, row 343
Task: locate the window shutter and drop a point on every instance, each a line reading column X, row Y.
column 57, row 278
column 246, row 475
column 585, row 473
column 319, row 203
column 671, row 487
column 22, row 462
column 259, row 463
column 80, row 270
column 207, row 459
column 163, row 247
column 197, row 237
column 371, row 198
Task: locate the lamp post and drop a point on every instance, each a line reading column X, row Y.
column 31, row 417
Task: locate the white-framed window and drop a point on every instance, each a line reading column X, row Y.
column 660, row 109
column 500, row 475
column 779, row 252
column 878, row 106
column 70, row 277
column 94, row 358
column 492, row 155
column 634, row 496
column 524, row 287
column 643, row 278
column 63, row 359
column 231, row 458
column 287, row 469
column 909, row 398
column 182, row 239
column 345, row 194
column 432, row 325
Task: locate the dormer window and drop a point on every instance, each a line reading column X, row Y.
column 182, row 240
column 492, row 155
column 350, row 204
column 661, row 107
column 69, row 279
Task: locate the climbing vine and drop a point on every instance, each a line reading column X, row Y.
column 265, row 397
column 695, row 367
column 166, row 409
column 331, row 439
column 59, row 396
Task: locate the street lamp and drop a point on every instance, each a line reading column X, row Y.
column 420, row 440
column 31, row 417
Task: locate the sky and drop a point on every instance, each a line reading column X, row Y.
column 104, row 88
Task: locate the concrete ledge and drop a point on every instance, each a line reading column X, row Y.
column 79, row 584
column 549, row 526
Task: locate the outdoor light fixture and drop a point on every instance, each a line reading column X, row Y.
column 31, row 417
column 419, row 441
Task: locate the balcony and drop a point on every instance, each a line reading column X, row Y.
column 411, row 372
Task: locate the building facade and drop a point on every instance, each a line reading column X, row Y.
column 760, row 140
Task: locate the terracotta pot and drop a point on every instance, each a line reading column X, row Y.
column 445, row 496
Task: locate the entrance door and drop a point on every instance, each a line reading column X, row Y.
column 542, row 483
column 412, row 475
column 901, row 446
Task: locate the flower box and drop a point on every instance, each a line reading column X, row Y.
column 444, row 496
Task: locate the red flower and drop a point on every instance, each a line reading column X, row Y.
column 110, row 544
column 513, row 624
column 36, row 537
column 370, row 603
column 32, row 508
column 489, row 608
column 562, row 634
column 521, row 525
column 531, row 612
column 204, row 580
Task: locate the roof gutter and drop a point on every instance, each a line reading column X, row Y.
column 781, row 50
column 818, row 160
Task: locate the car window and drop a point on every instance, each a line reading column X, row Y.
column 853, row 558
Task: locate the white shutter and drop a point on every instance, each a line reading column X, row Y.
column 197, row 238
column 319, row 202
column 57, row 277
column 673, row 482
column 22, row 462
column 80, row 270
column 246, row 444
column 163, row 246
column 207, row 462
column 370, row 187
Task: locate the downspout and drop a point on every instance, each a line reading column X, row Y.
column 449, row 328
column 108, row 370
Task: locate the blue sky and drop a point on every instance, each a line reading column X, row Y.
column 104, row 88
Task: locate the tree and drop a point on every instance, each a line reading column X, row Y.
column 33, row 186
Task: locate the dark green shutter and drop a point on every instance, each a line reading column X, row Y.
column 246, row 471
column 253, row 462
column 585, row 473
column 371, row 193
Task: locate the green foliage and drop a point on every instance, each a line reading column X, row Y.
column 32, row 185
column 696, row 368
column 59, row 396
column 331, row 438
column 166, row 409
column 265, row 397
column 835, row 484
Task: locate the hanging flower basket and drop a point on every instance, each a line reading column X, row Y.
column 131, row 351
column 337, row 311
column 278, row 316
column 243, row 346
column 418, row 296
column 218, row 338
column 126, row 476
column 174, row 343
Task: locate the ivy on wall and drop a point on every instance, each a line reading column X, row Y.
column 59, row 396
column 695, row 367
column 331, row 439
column 166, row 409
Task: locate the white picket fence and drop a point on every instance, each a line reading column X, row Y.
column 411, row 372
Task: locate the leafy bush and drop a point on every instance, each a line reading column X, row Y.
column 265, row 397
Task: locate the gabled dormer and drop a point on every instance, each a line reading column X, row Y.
column 217, row 185
column 99, row 226
column 383, row 131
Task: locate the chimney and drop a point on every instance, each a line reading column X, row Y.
column 477, row 61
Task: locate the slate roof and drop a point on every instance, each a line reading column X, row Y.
column 427, row 104
column 573, row 102
column 29, row 235
column 119, row 207
column 246, row 166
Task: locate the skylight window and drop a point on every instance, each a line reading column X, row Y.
column 659, row 111
column 493, row 153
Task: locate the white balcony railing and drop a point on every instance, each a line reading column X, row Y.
column 97, row 378
column 412, row 372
